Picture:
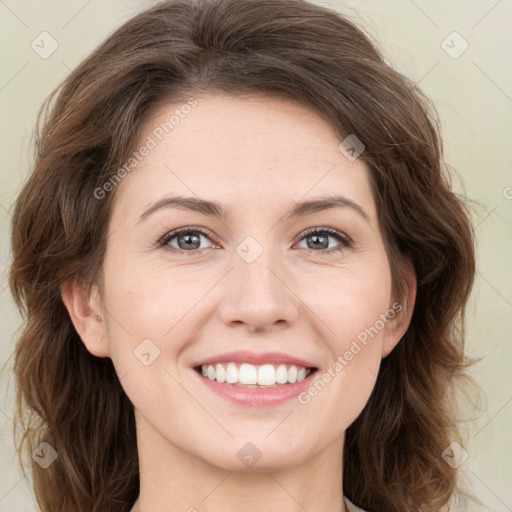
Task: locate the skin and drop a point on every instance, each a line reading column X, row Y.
column 256, row 156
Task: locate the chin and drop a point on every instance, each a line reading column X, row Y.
column 257, row 455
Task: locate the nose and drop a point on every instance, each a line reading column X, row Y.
column 259, row 295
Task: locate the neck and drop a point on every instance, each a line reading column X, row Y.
column 172, row 479
column 136, row 506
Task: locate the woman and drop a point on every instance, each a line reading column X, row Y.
column 305, row 352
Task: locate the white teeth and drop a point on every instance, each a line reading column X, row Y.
column 251, row 375
column 220, row 373
column 247, row 374
column 292, row 374
column 266, row 375
column 281, row 374
column 232, row 373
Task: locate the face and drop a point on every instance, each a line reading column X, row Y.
column 268, row 290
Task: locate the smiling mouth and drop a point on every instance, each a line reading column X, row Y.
column 255, row 376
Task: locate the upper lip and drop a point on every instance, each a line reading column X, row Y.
column 255, row 358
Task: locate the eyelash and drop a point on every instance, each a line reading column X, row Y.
column 345, row 241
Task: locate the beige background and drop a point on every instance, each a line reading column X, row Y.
column 473, row 95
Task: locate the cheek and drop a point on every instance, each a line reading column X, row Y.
column 352, row 311
column 148, row 316
column 151, row 301
column 352, row 302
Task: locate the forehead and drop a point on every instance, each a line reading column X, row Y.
column 232, row 148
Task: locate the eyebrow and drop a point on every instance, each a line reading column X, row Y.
column 214, row 209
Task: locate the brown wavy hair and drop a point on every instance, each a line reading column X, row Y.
column 86, row 129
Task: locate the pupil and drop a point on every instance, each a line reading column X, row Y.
column 190, row 238
column 317, row 237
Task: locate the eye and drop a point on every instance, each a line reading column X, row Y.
column 320, row 239
column 187, row 238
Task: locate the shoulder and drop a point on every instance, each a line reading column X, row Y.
column 351, row 507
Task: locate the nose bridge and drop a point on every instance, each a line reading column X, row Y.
column 258, row 293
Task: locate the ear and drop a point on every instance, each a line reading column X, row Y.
column 84, row 308
column 399, row 323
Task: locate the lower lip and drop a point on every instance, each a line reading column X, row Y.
column 256, row 396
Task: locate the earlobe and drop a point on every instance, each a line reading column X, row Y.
column 84, row 308
column 399, row 324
